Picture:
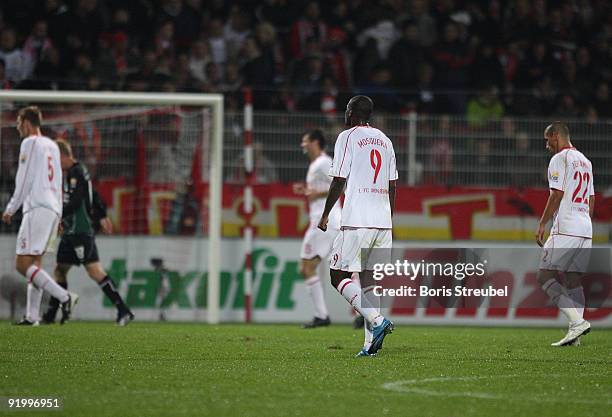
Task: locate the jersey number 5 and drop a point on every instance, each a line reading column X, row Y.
column 376, row 162
column 50, row 166
column 582, row 178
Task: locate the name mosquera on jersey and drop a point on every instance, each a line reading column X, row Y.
column 371, row 141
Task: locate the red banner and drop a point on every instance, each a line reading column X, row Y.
column 427, row 212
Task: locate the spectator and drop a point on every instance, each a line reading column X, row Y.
column 540, row 101
column 216, row 40
column 380, row 90
column 80, row 74
column 36, row 45
column 16, row 64
column 439, row 166
column 602, row 102
column 182, row 79
column 486, row 107
column 486, row 69
column 185, row 20
column 329, row 98
column 309, row 82
column 279, row 13
column 236, row 31
column 383, row 33
column 425, row 23
column 452, row 58
column 232, row 84
column 535, row 67
column 214, row 78
column 199, row 57
column 486, row 169
column 310, row 26
column 338, row 58
column 267, row 41
column 4, row 83
column 523, row 163
column 407, row 56
column 258, row 71
column 425, row 100
column 164, row 40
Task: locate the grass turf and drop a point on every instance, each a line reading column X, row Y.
column 281, row 370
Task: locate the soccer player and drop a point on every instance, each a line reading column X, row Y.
column 316, row 244
column 78, row 245
column 38, row 188
column 364, row 161
column 570, row 205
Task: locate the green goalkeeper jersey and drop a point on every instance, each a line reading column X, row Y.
column 76, row 215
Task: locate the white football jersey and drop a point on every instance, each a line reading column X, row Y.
column 318, row 179
column 365, row 157
column 571, row 172
column 39, row 177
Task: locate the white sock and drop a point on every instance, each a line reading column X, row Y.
column 367, row 328
column 355, row 278
column 577, row 296
column 352, row 293
column 558, row 296
column 315, row 289
column 43, row 281
column 34, row 298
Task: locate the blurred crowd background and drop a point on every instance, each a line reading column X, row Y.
column 480, row 59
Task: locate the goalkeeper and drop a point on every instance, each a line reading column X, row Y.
column 83, row 213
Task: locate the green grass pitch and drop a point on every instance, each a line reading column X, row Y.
column 282, row 370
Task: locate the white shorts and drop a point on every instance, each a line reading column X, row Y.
column 566, row 253
column 38, row 232
column 317, row 242
column 348, row 245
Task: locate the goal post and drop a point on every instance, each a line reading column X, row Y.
column 215, row 157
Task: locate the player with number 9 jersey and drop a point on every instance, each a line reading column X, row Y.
column 365, row 157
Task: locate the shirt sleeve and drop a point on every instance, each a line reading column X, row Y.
column 78, row 192
column 393, row 175
column 23, row 179
column 323, row 178
column 556, row 173
column 592, row 185
column 343, row 155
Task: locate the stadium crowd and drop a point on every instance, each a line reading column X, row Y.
column 482, row 59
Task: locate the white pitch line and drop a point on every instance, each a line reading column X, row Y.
column 408, row 386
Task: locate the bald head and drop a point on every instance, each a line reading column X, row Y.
column 558, row 128
column 358, row 110
column 557, row 137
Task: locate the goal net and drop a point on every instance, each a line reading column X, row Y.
column 155, row 160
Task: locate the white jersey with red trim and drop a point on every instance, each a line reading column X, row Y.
column 571, row 172
column 365, row 157
column 39, row 177
column 318, row 179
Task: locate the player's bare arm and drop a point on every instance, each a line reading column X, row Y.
column 7, row 218
column 392, row 190
column 591, row 206
column 335, row 191
column 552, row 205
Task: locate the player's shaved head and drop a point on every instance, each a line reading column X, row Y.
column 359, row 109
column 64, row 147
column 557, row 137
column 558, row 128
